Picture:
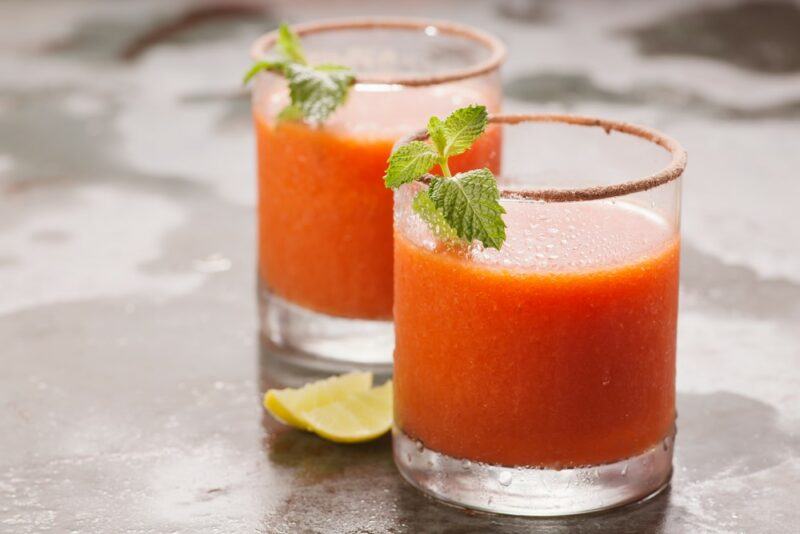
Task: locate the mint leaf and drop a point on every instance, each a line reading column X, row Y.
column 290, row 113
column 466, row 205
column 409, row 162
column 462, row 127
column 330, row 67
column 289, row 45
column 470, row 203
column 428, row 212
column 258, row 66
column 317, row 93
column 436, row 133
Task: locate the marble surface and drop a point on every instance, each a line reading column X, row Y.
column 131, row 366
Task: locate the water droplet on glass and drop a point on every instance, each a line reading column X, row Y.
column 465, row 465
column 624, row 470
column 504, row 478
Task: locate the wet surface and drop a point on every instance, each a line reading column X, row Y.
column 132, row 368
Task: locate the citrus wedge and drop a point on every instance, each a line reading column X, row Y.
column 360, row 416
column 290, row 405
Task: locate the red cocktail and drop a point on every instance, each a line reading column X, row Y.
column 539, row 379
column 325, row 217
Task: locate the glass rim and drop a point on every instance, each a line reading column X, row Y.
column 672, row 171
column 496, row 48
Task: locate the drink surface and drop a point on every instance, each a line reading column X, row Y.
column 557, row 351
column 325, row 216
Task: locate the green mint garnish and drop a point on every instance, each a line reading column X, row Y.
column 318, row 91
column 315, row 91
column 436, row 134
column 290, row 113
column 409, row 162
column 466, row 205
column 289, row 45
column 424, row 207
column 461, row 128
column 258, row 66
column 469, row 202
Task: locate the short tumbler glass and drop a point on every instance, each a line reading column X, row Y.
column 540, row 379
column 324, row 214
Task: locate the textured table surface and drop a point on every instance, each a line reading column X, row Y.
column 131, row 367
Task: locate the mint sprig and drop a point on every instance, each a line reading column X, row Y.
column 315, row 91
column 424, row 206
column 461, row 128
column 289, row 45
column 466, row 205
column 409, row 162
column 469, row 202
column 318, row 91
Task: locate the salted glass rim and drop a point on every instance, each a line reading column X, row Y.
column 672, row 171
column 496, row 48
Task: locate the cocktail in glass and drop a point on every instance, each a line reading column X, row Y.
column 539, row 379
column 324, row 216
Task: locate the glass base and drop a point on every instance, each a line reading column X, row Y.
column 527, row 491
column 323, row 342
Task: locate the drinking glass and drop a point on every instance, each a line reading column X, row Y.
column 539, row 379
column 324, row 214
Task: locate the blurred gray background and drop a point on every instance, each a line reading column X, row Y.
column 131, row 366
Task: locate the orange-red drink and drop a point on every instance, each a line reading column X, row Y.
column 558, row 360
column 539, row 379
column 324, row 215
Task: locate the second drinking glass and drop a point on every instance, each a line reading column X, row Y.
column 539, row 379
column 324, row 215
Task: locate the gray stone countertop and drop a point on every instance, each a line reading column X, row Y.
column 131, row 367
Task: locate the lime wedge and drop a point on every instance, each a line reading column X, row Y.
column 360, row 416
column 289, row 405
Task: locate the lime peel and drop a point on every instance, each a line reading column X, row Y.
column 344, row 409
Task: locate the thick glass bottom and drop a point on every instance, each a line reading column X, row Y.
column 528, row 491
column 323, row 342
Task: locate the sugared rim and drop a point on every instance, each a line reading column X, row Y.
column 496, row 48
column 669, row 173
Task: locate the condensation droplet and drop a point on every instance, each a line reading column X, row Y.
column 504, row 478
